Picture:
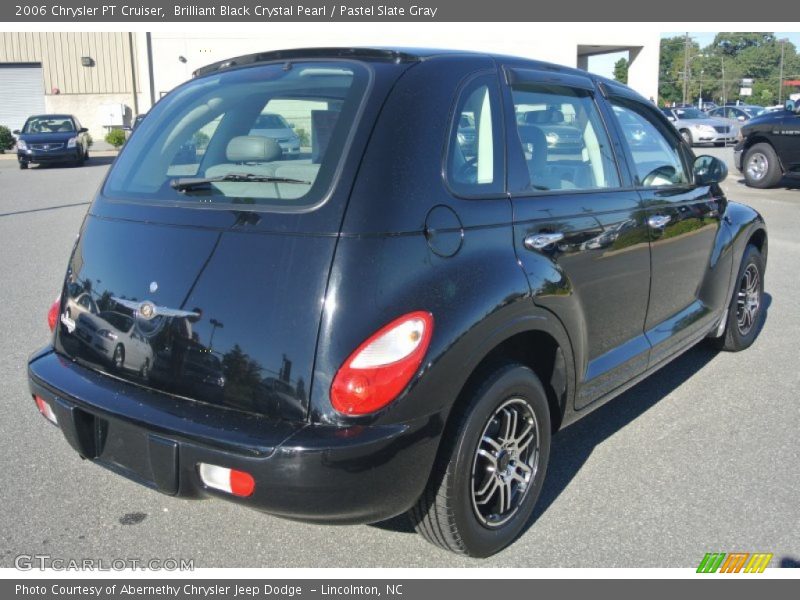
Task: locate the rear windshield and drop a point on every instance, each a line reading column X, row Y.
column 267, row 136
column 49, row 124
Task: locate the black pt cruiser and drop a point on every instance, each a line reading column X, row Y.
column 396, row 319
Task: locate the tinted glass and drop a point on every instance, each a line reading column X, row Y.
column 563, row 139
column 656, row 155
column 475, row 156
column 234, row 128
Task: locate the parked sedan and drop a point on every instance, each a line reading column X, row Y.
column 52, row 139
column 274, row 126
column 696, row 127
column 735, row 116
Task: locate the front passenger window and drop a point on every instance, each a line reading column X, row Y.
column 656, row 155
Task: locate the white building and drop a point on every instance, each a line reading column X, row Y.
column 107, row 78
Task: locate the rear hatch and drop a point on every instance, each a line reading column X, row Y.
column 202, row 266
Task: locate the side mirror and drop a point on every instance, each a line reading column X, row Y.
column 708, row 170
column 16, row 132
column 83, row 130
column 789, row 105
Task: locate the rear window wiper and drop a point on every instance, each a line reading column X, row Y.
column 188, row 183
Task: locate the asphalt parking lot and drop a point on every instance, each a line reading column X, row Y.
column 702, row 457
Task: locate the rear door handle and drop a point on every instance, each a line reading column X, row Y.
column 539, row 241
column 658, row 221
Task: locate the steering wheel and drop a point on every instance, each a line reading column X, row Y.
column 663, row 175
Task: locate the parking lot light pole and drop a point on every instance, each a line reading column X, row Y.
column 780, row 77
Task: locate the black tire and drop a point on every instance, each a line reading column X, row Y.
column 687, row 137
column 447, row 514
column 761, row 166
column 23, row 165
column 118, row 359
column 741, row 331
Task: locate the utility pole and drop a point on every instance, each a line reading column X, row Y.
column 780, row 79
column 724, row 93
column 685, row 65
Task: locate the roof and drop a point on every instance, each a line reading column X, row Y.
column 384, row 54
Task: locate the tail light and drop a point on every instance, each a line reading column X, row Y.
column 232, row 481
column 52, row 314
column 382, row 366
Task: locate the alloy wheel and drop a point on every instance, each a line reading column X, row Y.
column 748, row 300
column 505, row 462
column 757, row 166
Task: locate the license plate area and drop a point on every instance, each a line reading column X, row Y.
column 124, row 448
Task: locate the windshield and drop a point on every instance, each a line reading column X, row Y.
column 270, row 122
column 690, row 113
column 49, row 124
column 223, row 127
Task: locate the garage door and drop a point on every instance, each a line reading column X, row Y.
column 21, row 93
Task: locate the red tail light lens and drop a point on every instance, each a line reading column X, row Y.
column 46, row 409
column 382, row 366
column 52, row 314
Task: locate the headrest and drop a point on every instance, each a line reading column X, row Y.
column 253, row 148
column 536, row 116
column 556, row 116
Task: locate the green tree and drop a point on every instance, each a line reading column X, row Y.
column 6, row 139
column 621, row 70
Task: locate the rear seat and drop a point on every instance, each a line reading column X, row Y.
column 259, row 155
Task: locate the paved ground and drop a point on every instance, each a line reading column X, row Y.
column 704, row 456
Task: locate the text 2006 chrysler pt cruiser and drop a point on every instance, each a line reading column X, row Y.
column 468, row 253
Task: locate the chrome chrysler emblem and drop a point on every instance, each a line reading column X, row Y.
column 153, row 287
column 147, row 310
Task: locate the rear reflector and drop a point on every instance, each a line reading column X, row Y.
column 227, row 480
column 45, row 409
column 52, row 314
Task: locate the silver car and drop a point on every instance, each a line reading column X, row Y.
column 696, row 127
column 274, row 126
column 736, row 116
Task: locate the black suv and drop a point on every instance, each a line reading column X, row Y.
column 397, row 318
column 770, row 147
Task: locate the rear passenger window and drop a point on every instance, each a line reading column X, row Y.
column 656, row 154
column 563, row 139
column 475, row 154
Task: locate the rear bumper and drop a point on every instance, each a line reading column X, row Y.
column 322, row 473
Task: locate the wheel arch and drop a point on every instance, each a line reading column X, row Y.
column 536, row 340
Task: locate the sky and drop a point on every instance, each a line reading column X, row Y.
column 604, row 63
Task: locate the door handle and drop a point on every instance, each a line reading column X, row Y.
column 539, row 241
column 658, row 221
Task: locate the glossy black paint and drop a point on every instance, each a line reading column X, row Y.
column 264, row 301
column 779, row 129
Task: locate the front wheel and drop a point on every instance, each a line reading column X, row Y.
column 745, row 311
column 491, row 466
column 23, row 165
column 762, row 168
